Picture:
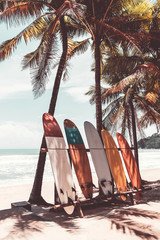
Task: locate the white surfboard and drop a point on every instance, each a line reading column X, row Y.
column 60, row 162
column 99, row 158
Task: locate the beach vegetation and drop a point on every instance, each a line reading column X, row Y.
column 110, row 22
column 151, row 142
column 131, row 81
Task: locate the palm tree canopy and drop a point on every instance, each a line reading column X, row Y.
column 45, row 27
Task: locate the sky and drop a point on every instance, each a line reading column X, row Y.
column 21, row 114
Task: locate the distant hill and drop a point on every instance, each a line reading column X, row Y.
column 150, row 142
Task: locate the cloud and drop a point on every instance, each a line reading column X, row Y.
column 20, row 135
column 8, row 92
column 78, row 93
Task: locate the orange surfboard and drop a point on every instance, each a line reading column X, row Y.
column 115, row 162
column 79, row 158
column 130, row 164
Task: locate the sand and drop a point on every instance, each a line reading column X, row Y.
column 112, row 221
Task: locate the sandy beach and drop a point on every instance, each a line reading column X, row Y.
column 112, row 221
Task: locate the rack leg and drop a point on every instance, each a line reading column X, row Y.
column 79, row 210
column 133, row 201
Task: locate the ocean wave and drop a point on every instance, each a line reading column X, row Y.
column 20, row 169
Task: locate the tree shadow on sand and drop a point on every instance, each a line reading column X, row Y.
column 118, row 215
column 135, row 219
column 122, row 220
column 17, row 223
column 121, row 215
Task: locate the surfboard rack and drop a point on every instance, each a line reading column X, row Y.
column 86, row 149
column 98, row 201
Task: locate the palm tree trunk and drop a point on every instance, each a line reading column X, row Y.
column 35, row 196
column 134, row 135
column 98, row 91
column 98, row 86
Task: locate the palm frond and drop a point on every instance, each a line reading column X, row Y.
column 91, row 92
column 65, row 76
column 118, row 67
column 42, row 71
column 31, row 32
column 149, row 67
column 19, row 11
column 77, row 47
column 119, row 87
column 145, row 107
column 114, row 115
column 147, row 120
column 112, row 106
column 43, row 26
column 114, row 32
column 74, row 27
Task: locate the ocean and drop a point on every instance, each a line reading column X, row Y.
column 18, row 166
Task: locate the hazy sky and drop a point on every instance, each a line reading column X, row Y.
column 21, row 114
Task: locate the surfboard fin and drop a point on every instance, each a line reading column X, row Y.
column 109, row 194
column 73, row 189
column 94, row 185
column 82, row 186
column 70, row 201
column 129, row 185
column 111, row 182
column 90, row 185
column 61, row 191
column 102, row 182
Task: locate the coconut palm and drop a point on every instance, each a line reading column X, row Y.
column 116, row 67
column 126, row 98
column 110, row 21
column 50, row 20
column 144, row 79
column 129, row 103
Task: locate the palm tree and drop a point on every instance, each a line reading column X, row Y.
column 110, row 21
column 35, row 196
column 46, row 26
column 117, row 68
column 126, row 98
column 125, row 109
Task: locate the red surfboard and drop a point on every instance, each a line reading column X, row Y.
column 60, row 162
column 130, row 164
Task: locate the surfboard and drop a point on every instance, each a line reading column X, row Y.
column 99, row 158
column 79, row 158
column 130, row 164
column 115, row 162
column 60, row 162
